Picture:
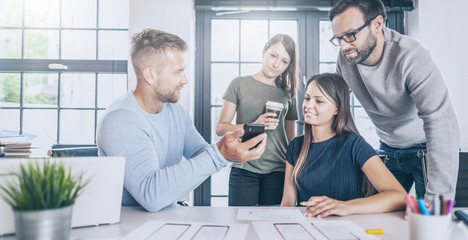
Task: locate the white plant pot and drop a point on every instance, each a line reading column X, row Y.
column 47, row 224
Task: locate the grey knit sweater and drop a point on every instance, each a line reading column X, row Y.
column 406, row 98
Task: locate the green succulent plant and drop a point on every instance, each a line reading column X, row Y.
column 43, row 186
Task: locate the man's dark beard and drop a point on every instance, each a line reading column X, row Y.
column 364, row 53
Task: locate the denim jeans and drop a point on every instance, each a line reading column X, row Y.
column 406, row 165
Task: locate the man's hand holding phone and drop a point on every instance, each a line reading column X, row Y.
column 251, row 147
column 251, row 130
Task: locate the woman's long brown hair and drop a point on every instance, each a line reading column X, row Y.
column 332, row 86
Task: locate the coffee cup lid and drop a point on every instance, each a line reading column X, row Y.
column 276, row 104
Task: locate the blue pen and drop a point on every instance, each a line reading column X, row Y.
column 423, row 207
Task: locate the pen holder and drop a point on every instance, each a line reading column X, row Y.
column 428, row 227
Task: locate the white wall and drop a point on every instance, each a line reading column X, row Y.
column 176, row 17
column 440, row 27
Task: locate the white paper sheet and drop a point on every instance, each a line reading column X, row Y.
column 189, row 230
column 269, row 214
column 319, row 230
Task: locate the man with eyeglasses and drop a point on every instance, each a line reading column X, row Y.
column 404, row 94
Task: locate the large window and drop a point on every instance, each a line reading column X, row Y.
column 235, row 44
column 246, row 38
column 61, row 64
column 229, row 44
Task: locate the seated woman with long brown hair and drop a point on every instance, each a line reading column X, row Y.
column 329, row 165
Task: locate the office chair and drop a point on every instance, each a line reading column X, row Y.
column 67, row 150
column 461, row 196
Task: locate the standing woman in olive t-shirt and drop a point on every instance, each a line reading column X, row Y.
column 260, row 182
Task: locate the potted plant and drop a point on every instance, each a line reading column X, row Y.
column 42, row 198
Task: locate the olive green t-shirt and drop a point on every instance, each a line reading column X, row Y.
column 250, row 97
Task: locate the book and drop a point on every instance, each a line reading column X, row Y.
column 85, row 150
column 21, row 150
column 17, row 154
column 10, row 146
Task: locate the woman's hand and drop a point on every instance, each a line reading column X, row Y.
column 325, row 206
column 269, row 120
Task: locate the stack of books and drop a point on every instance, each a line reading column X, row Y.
column 17, row 150
column 13, row 144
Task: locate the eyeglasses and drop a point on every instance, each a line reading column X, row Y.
column 349, row 37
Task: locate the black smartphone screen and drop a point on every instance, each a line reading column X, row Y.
column 252, row 130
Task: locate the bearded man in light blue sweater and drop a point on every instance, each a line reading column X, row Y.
column 153, row 132
column 404, row 94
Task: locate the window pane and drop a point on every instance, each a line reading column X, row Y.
column 79, row 14
column 250, row 68
column 78, row 44
column 42, row 13
column 110, row 87
column 10, row 43
column 366, row 127
column 10, row 119
column 225, row 33
column 113, row 13
column 220, row 182
column 355, row 101
column 10, row 87
column 100, row 115
column 113, row 45
column 328, row 51
column 43, row 44
column 328, row 67
column 219, row 201
column 11, row 12
column 254, row 35
column 288, row 27
column 77, row 90
column 77, row 126
column 221, row 76
column 41, row 122
column 40, row 90
column 215, row 112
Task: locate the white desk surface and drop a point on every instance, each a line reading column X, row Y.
column 132, row 217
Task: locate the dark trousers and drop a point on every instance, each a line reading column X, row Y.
column 252, row 189
column 406, row 166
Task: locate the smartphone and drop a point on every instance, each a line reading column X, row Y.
column 251, row 130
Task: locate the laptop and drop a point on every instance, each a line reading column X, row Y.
column 100, row 201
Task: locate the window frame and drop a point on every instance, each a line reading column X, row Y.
column 95, row 66
column 309, row 63
column 203, row 105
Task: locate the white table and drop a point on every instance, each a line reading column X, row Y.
column 133, row 217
